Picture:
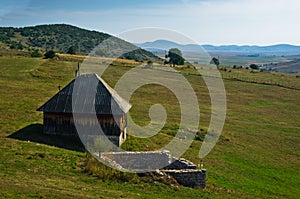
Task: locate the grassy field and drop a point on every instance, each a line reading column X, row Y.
column 241, row 59
column 256, row 157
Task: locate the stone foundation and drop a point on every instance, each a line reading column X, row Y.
column 178, row 164
column 139, row 161
column 189, row 177
column 183, row 171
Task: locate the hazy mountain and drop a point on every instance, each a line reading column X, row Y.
column 164, row 45
column 60, row 37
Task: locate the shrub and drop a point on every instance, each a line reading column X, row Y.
column 71, row 50
column 149, row 63
column 36, row 53
column 254, row 66
column 49, row 54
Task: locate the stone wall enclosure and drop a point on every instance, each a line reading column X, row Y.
column 183, row 171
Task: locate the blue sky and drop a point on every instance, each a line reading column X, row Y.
column 253, row 22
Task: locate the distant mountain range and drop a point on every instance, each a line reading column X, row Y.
column 60, row 37
column 161, row 46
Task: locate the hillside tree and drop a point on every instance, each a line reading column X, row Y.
column 36, row 53
column 49, row 54
column 71, row 50
column 215, row 61
column 254, row 66
column 175, row 57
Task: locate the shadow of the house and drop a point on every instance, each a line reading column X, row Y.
column 34, row 133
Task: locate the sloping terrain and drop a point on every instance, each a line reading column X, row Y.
column 66, row 38
column 287, row 67
column 257, row 155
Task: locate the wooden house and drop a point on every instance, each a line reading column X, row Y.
column 102, row 103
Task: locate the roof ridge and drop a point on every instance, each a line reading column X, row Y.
column 114, row 94
column 64, row 88
column 62, row 103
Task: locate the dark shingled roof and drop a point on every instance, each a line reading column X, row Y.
column 91, row 91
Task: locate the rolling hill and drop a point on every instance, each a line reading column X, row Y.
column 287, row 67
column 257, row 155
column 281, row 58
column 62, row 37
column 280, row 49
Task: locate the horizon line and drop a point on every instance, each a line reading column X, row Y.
column 203, row 44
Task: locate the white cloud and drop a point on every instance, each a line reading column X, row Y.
column 259, row 22
column 252, row 21
column 215, row 21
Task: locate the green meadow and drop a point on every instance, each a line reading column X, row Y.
column 257, row 155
